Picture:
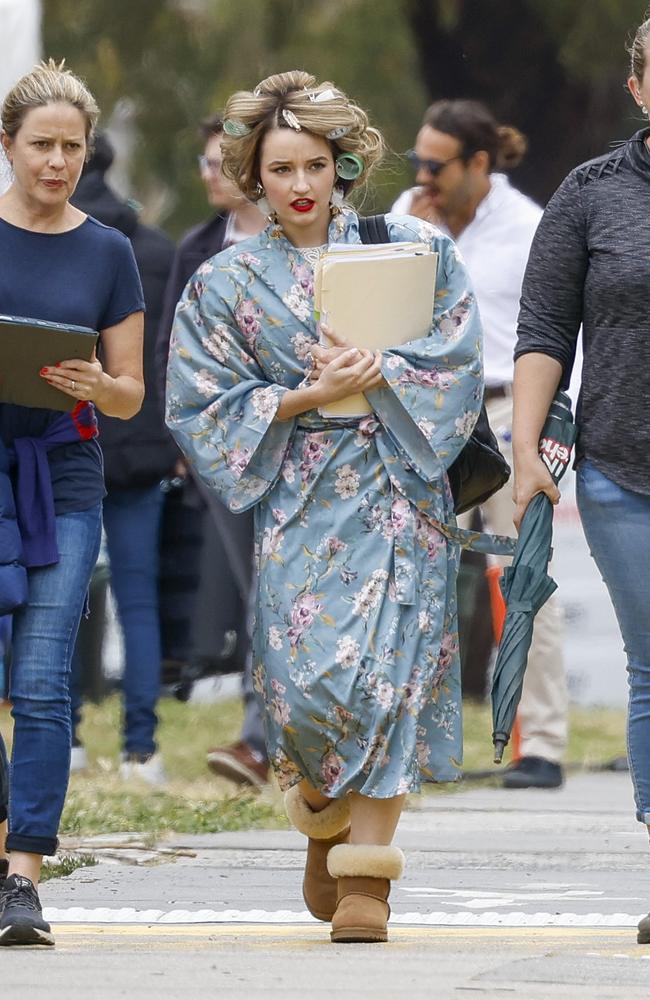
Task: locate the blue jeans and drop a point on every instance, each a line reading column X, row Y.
column 616, row 522
column 44, row 634
column 132, row 526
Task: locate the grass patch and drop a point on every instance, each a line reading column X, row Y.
column 197, row 802
column 596, row 735
column 66, row 865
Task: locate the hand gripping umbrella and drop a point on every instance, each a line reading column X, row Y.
column 526, row 585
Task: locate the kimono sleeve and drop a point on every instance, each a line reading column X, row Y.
column 435, row 385
column 220, row 405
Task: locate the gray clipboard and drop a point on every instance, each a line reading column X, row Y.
column 26, row 346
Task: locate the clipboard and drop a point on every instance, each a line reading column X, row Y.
column 376, row 296
column 26, row 346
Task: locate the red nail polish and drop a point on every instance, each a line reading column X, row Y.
column 58, row 364
column 43, row 371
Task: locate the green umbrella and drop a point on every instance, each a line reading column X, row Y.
column 526, row 585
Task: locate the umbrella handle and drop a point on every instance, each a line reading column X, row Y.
column 500, row 741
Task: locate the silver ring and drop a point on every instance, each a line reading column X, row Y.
column 73, row 385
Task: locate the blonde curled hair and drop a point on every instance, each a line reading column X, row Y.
column 48, row 83
column 254, row 113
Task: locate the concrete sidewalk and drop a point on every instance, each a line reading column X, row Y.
column 532, row 894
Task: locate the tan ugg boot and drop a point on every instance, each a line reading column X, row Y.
column 325, row 829
column 364, row 874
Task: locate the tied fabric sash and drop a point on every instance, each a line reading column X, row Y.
column 33, row 494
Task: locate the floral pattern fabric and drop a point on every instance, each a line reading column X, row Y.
column 356, row 642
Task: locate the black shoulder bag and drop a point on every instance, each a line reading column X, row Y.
column 480, row 469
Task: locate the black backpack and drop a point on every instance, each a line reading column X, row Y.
column 480, row 470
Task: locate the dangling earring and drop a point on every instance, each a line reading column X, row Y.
column 337, row 198
column 262, row 203
column 644, row 110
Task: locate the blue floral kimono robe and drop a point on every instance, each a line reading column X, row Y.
column 356, row 642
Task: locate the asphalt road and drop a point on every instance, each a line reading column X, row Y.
column 523, row 894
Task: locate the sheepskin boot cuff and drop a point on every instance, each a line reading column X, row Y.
column 322, row 825
column 365, row 860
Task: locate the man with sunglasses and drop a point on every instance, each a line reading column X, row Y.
column 459, row 154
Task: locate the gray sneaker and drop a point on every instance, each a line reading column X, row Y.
column 643, row 937
column 21, row 917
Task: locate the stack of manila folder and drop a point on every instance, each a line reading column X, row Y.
column 376, row 296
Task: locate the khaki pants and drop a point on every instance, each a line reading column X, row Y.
column 543, row 710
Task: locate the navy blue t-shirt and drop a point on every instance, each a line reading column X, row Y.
column 88, row 277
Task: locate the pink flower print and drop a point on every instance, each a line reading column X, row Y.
column 452, row 322
column 302, row 345
column 313, row 450
column 347, row 482
column 304, row 277
column 423, row 751
column 348, row 652
column 465, row 423
column 366, row 430
column 400, row 514
column 280, row 711
column 366, row 599
column 238, row 459
column 265, row 403
column 248, row 321
column 335, row 545
column 206, row 268
column 428, row 536
column 289, row 471
column 247, row 259
column 278, row 686
column 331, row 769
column 414, row 376
column 275, row 637
column 303, row 610
column 448, row 650
column 376, row 753
column 385, row 695
column 206, row 382
column 272, row 540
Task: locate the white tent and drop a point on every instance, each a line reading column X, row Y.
column 20, row 39
column 20, row 48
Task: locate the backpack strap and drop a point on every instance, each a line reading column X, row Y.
column 373, row 229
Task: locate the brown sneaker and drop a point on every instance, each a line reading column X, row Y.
column 239, row 762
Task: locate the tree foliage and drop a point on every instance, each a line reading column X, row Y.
column 177, row 62
column 555, row 68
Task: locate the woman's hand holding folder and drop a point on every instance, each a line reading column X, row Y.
column 322, row 356
column 341, row 371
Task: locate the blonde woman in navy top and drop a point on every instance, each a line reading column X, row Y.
column 58, row 265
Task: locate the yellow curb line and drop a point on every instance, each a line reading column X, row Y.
column 311, row 931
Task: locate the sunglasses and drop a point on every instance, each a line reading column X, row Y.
column 209, row 166
column 432, row 167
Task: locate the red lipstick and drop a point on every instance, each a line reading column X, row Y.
column 303, row 204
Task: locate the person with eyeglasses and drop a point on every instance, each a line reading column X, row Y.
column 226, row 561
column 459, row 155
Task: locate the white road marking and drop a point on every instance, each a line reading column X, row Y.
column 127, row 915
column 477, row 899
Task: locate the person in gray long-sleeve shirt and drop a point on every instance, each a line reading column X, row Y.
column 589, row 267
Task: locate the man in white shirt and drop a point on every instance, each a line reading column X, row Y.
column 457, row 152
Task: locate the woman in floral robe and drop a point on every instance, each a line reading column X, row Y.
column 355, row 643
